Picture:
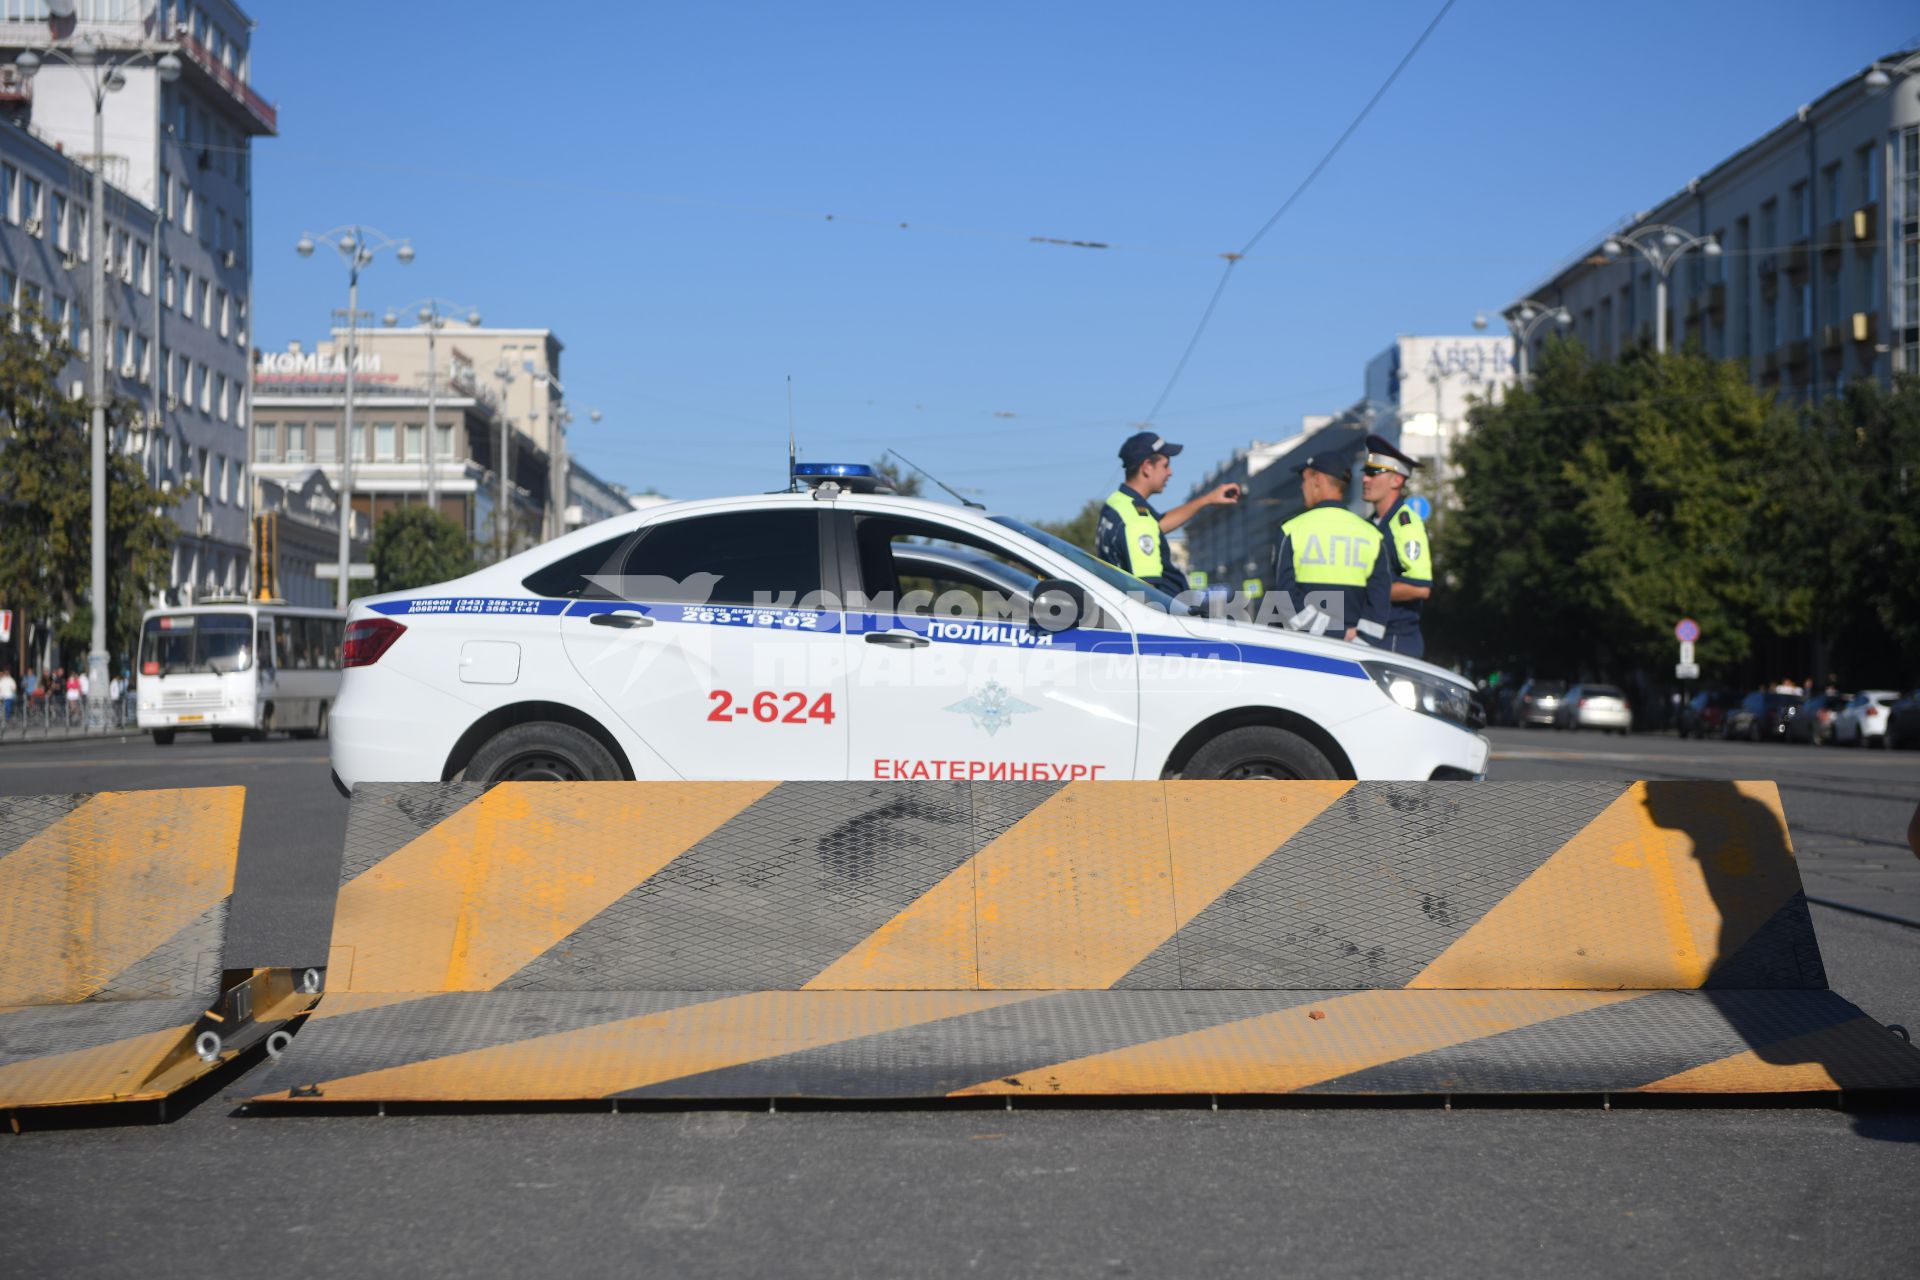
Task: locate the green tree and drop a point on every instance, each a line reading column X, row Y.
column 1079, row 529
column 899, row 479
column 46, row 500
column 416, row 547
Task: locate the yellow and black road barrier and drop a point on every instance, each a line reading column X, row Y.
column 112, row 922
column 552, row 941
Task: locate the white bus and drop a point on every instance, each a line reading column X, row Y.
column 238, row 667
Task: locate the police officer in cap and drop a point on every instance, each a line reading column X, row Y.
column 1132, row 535
column 1383, row 483
column 1329, row 549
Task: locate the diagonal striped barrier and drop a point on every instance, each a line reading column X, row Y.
column 916, row 940
column 112, row 918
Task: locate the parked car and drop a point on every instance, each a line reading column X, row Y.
column 1704, row 714
column 1863, row 721
column 1761, row 717
column 1594, row 706
column 1537, row 701
column 1814, row 721
column 1903, row 722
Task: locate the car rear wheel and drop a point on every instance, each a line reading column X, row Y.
column 542, row 751
column 1259, row 752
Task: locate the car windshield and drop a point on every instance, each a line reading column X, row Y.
column 1115, row 578
column 183, row 643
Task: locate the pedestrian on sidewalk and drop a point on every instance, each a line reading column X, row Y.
column 8, row 691
column 73, row 697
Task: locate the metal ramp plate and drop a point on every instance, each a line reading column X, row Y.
column 112, row 918
column 920, row 940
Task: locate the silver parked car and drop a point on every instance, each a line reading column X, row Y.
column 1863, row 721
column 1537, row 701
column 1594, row 706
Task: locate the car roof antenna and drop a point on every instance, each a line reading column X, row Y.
column 961, row 498
column 792, row 484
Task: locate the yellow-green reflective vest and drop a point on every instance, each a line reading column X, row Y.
column 1332, row 547
column 1143, row 536
column 1198, row 579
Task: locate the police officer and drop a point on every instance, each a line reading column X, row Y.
column 1132, row 535
column 1383, row 483
column 1329, row 549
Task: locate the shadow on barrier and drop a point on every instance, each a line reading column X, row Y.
column 1765, row 942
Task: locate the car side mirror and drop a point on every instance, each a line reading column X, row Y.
column 1057, row 605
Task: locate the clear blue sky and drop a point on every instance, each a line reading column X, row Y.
column 653, row 183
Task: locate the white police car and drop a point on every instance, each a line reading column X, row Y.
column 837, row 632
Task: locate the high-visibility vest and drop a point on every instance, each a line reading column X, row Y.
column 1198, row 579
column 1143, row 536
column 1332, row 547
column 1253, row 587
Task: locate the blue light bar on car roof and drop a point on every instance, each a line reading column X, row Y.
column 855, row 477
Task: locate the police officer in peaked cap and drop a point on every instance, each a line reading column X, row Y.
column 1328, row 550
column 1383, row 483
column 1132, row 535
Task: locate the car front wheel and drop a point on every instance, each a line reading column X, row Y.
column 1259, row 752
column 542, row 751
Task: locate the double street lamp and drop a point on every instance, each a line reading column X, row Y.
column 1662, row 246
column 357, row 247
column 432, row 314
column 1524, row 319
column 101, row 77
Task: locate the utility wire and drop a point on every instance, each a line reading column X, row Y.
column 1233, row 259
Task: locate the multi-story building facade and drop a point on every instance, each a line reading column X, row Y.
column 1818, row 278
column 178, row 238
column 1427, row 386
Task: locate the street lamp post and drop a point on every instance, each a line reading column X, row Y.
column 357, row 247
column 1524, row 319
column 432, row 314
column 1662, row 246
column 103, row 78
column 503, row 538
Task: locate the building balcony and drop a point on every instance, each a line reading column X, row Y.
column 1832, row 336
column 1834, row 237
column 1865, row 326
column 1866, row 224
column 263, row 116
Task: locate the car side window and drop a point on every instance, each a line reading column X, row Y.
column 736, row 558
column 570, row 577
column 933, row 569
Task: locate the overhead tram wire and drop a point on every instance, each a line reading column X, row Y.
column 1234, row 259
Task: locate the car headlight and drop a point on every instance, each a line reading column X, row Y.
column 1427, row 694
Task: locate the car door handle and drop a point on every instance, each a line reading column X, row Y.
column 624, row 621
column 897, row 639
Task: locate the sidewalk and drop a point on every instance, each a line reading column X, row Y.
column 15, row 733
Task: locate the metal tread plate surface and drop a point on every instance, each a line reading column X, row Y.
column 511, row 1046
column 101, row 1051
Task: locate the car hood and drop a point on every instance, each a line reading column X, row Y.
column 1253, row 634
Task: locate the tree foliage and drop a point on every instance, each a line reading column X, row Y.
column 46, row 501
column 1080, row 528
column 417, row 547
column 1603, row 501
column 896, row 477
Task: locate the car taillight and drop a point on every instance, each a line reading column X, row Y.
column 1583, row 702
column 1872, row 712
column 367, row 639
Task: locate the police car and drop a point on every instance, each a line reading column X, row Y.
column 840, row 632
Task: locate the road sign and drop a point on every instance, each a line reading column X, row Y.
column 1686, row 631
column 1421, row 507
column 1686, row 671
column 1686, row 653
column 6, row 625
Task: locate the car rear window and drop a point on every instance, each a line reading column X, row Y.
column 1547, row 688
column 1601, row 691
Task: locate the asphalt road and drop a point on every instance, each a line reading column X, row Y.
column 1336, row 1191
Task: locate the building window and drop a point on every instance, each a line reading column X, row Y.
column 443, row 447
column 32, row 203
column 186, row 208
column 1866, row 285
column 1868, row 167
column 296, row 442
column 240, row 325
column 206, row 304
column 122, row 259
column 1830, row 295
column 142, row 266
column 416, row 442
column 186, row 293
column 180, row 384
column 166, row 283
column 64, row 309
column 10, row 192
column 226, row 314
column 221, row 405
column 1805, row 311
column 1830, row 191
column 1770, row 320
column 1802, row 211
column 383, row 442
column 203, row 379
column 326, row 442
column 142, row 354
column 263, row 442
column 62, row 233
